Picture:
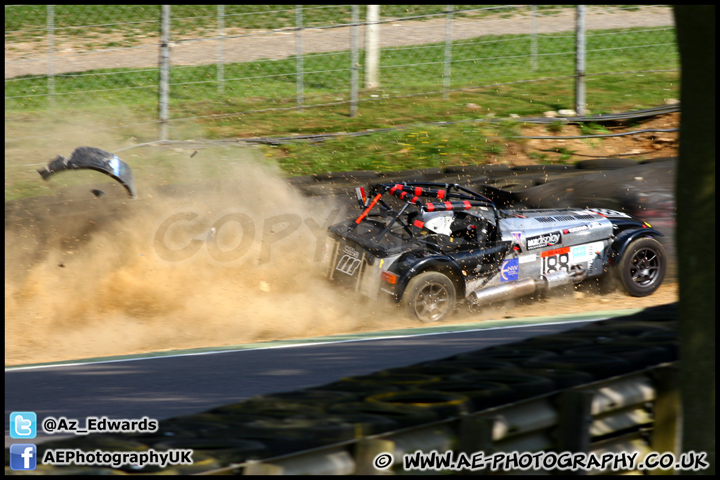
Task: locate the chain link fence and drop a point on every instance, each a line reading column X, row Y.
column 229, row 60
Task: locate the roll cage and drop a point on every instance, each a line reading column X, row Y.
column 454, row 198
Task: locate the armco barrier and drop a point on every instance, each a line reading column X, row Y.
column 637, row 411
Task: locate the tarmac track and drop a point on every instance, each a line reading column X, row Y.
column 164, row 387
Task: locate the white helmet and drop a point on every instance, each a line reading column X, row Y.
column 438, row 222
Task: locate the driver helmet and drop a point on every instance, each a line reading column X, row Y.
column 438, row 222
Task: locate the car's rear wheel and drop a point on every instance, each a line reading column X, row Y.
column 642, row 267
column 430, row 297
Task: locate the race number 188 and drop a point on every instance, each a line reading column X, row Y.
column 560, row 261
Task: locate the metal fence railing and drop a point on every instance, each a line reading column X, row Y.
column 237, row 59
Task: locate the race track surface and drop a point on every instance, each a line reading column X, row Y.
column 168, row 386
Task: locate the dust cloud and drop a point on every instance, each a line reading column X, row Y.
column 89, row 276
column 207, row 262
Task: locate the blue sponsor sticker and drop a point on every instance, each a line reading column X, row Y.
column 509, row 270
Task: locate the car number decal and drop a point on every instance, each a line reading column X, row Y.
column 554, row 260
column 566, row 257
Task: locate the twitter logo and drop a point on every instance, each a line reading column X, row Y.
column 23, row 425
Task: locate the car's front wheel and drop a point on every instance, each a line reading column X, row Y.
column 642, row 267
column 430, row 297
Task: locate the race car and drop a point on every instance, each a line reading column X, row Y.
column 432, row 246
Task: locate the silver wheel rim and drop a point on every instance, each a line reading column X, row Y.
column 645, row 267
column 431, row 302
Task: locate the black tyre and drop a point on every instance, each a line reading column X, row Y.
column 524, row 385
column 642, row 267
column 562, row 378
column 555, row 343
column 599, row 366
column 474, row 364
column 507, row 354
column 442, row 403
column 436, row 370
column 403, row 415
column 482, row 394
column 639, row 355
column 361, row 389
column 430, row 297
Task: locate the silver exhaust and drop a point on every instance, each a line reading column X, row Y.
column 526, row 287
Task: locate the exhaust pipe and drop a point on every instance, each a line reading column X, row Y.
column 526, row 287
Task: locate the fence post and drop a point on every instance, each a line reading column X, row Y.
column 354, row 65
column 580, row 61
column 221, row 53
column 164, row 70
column 667, row 412
column 51, row 53
column 574, row 421
column 372, row 47
column 533, row 38
column 299, row 52
column 448, row 52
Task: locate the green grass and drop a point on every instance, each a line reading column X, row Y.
column 407, row 70
column 271, row 86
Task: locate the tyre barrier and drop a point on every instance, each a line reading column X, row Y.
column 482, row 394
column 400, row 379
column 643, row 355
column 328, row 429
column 271, row 409
column 563, row 378
column 403, row 415
column 474, row 363
column 444, row 404
column 507, row 354
column 365, row 424
column 599, row 366
column 666, row 340
column 556, row 343
column 439, row 370
column 523, row 385
column 314, row 398
column 658, row 314
column 361, row 388
column 609, row 328
column 518, row 393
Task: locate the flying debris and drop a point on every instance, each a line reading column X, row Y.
column 92, row 158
